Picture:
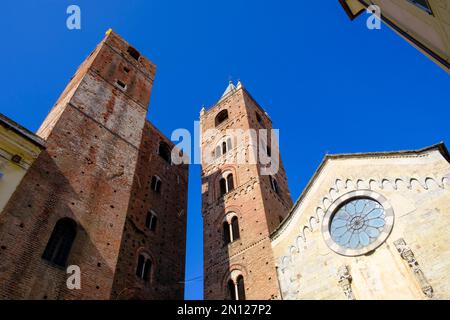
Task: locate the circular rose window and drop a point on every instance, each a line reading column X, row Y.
column 358, row 223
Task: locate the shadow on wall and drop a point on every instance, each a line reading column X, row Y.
column 25, row 228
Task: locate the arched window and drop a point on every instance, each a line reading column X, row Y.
column 236, row 290
column 223, row 186
column 58, row 247
column 274, row 185
column 165, row 152
column 226, row 233
column 226, row 184
column 240, row 288
column 223, row 148
column 231, row 231
column 155, row 184
column 144, row 267
column 230, row 183
column 231, row 290
column 221, row 117
column 235, row 228
column 151, row 221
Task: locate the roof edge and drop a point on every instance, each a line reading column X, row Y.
column 349, row 11
column 22, row 131
column 441, row 147
column 428, row 51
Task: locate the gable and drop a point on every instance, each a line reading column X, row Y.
column 426, row 168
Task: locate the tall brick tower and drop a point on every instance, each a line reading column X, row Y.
column 76, row 198
column 240, row 205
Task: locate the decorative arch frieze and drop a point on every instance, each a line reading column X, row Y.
column 340, row 187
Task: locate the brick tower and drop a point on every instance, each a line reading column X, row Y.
column 155, row 226
column 77, row 203
column 240, row 205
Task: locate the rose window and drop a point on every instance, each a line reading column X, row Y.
column 358, row 223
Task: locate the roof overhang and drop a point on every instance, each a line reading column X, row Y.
column 21, row 131
column 353, row 8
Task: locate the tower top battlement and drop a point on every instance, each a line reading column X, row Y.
column 129, row 53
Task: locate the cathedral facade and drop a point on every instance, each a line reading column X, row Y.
column 369, row 226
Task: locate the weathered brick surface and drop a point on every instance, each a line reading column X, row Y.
column 87, row 173
column 166, row 245
column 256, row 206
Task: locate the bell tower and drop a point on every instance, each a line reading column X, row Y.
column 70, row 208
column 242, row 201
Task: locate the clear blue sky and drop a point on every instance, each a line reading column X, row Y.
column 329, row 85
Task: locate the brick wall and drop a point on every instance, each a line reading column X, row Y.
column 87, row 173
column 166, row 245
column 256, row 207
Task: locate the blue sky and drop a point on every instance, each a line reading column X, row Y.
column 329, row 85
